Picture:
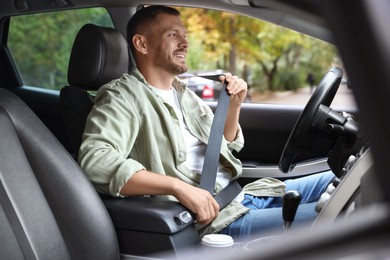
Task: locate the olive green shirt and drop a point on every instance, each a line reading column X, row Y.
column 131, row 128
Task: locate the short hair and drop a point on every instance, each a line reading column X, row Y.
column 143, row 17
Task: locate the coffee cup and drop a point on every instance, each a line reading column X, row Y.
column 217, row 242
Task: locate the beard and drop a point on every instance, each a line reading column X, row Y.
column 164, row 61
column 171, row 67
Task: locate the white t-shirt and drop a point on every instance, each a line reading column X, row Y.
column 196, row 149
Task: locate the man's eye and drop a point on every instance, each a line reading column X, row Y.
column 172, row 35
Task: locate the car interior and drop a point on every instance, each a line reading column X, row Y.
column 50, row 210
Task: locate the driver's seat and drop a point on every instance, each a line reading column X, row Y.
column 144, row 225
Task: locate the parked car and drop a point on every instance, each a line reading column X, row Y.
column 206, row 89
column 49, row 209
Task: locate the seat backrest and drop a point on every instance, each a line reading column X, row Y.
column 48, row 207
column 99, row 55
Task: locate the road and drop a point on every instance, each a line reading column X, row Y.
column 343, row 98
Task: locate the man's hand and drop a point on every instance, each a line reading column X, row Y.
column 199, row 201
column 236, row 87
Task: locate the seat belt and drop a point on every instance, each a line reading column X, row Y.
column 213, row 150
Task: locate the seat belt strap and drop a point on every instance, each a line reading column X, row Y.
column 227, row 194
column 213, row 150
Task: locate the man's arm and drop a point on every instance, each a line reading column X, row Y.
column 197, row 200
column 237, row 88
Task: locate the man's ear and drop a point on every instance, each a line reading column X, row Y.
column 139, row 42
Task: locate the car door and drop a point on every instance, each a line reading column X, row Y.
column 276, row 67
column 266, row 128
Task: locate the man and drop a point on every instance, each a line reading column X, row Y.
column 310, row 80
column 147, row 134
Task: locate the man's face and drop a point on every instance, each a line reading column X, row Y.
column 168, row 44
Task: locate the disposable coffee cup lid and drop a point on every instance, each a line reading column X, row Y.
column 217, row 240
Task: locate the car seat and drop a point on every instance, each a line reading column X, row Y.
column 144, row 225
column 48, row 208
column 98, row 56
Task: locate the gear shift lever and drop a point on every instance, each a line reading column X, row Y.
column 291, row 200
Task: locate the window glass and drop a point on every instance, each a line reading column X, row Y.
column 280, row 65
column 40, row 44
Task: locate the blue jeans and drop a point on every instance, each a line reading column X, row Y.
column 265, row 215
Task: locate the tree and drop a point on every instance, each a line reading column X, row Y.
column 266, row 56
column 242, row 44
column 40, row 46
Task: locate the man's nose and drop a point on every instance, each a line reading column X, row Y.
column 183, row 42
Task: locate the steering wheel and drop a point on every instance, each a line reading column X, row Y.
column 301, row 135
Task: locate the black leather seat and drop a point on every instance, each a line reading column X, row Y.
column 48, row 208
column 98, row 55
column 144, row 225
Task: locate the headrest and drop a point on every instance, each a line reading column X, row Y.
column 99, row 55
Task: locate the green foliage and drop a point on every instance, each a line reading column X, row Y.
column 288, row 79
column 40, row 44
column 269, row 57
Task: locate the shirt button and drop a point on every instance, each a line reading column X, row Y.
column 181, row 155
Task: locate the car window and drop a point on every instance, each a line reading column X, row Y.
column 280, row 65
column 40, row 44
